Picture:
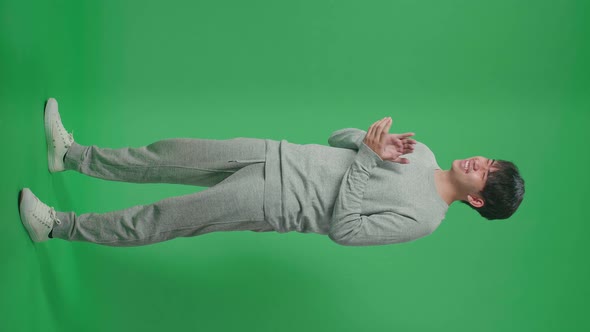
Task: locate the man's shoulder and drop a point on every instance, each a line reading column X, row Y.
column 422, row 148
column 423, row 155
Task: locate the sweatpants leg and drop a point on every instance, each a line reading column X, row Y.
column 236, row 203
column 200, row 162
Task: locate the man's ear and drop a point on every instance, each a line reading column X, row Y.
column 475, row 201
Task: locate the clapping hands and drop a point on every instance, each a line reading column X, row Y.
column 389, row 146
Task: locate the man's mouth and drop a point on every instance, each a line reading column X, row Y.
column 465, row 165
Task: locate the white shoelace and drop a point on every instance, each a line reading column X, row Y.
column 68, row 138
column 53, row 216
column 71, row 139
column 45, row 219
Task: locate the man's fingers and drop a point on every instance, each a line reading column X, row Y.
column 375, row 126
column 370, row 132
column 385, row 129
column 409, row 144
column 377, row 129
column 402, row 160
column 381, row 125
column 406, row 135
column 372, row 129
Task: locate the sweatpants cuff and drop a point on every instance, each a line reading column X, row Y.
column 75, row 156
column 62, row 231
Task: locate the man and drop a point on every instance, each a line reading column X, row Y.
column 366, row 188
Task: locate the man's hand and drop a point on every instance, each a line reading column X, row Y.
column 389, row 146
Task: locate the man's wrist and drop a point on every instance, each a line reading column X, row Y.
column 368, row 156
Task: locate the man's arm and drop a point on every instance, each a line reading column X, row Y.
column 352, row 138
column 349, row 138
column 348, row 226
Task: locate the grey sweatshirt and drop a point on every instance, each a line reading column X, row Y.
column 347, row 191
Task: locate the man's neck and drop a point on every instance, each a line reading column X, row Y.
column 445, row 187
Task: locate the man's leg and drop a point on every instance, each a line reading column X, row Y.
column 234, row 204
column 200, row 162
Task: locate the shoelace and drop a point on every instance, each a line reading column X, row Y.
column 47, row 220
column 53, row 216
column 71, row 139
column 66, row 139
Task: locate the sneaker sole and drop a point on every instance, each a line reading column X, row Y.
column 49, row 134
column 21, row 211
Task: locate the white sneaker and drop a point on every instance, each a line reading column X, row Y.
column 37, row 217
column 58, row 139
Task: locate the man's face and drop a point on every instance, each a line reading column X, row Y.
column 472, row 173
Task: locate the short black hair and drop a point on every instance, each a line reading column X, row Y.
column 502, row 193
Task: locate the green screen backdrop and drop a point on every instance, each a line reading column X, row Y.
column 505, row 79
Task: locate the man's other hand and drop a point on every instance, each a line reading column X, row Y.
column 389, row 146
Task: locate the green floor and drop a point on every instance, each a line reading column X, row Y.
column 505, row 79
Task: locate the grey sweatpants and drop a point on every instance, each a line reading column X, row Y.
column 233, row 169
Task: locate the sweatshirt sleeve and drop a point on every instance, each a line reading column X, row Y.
column 348, row 227
column 349, row 138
